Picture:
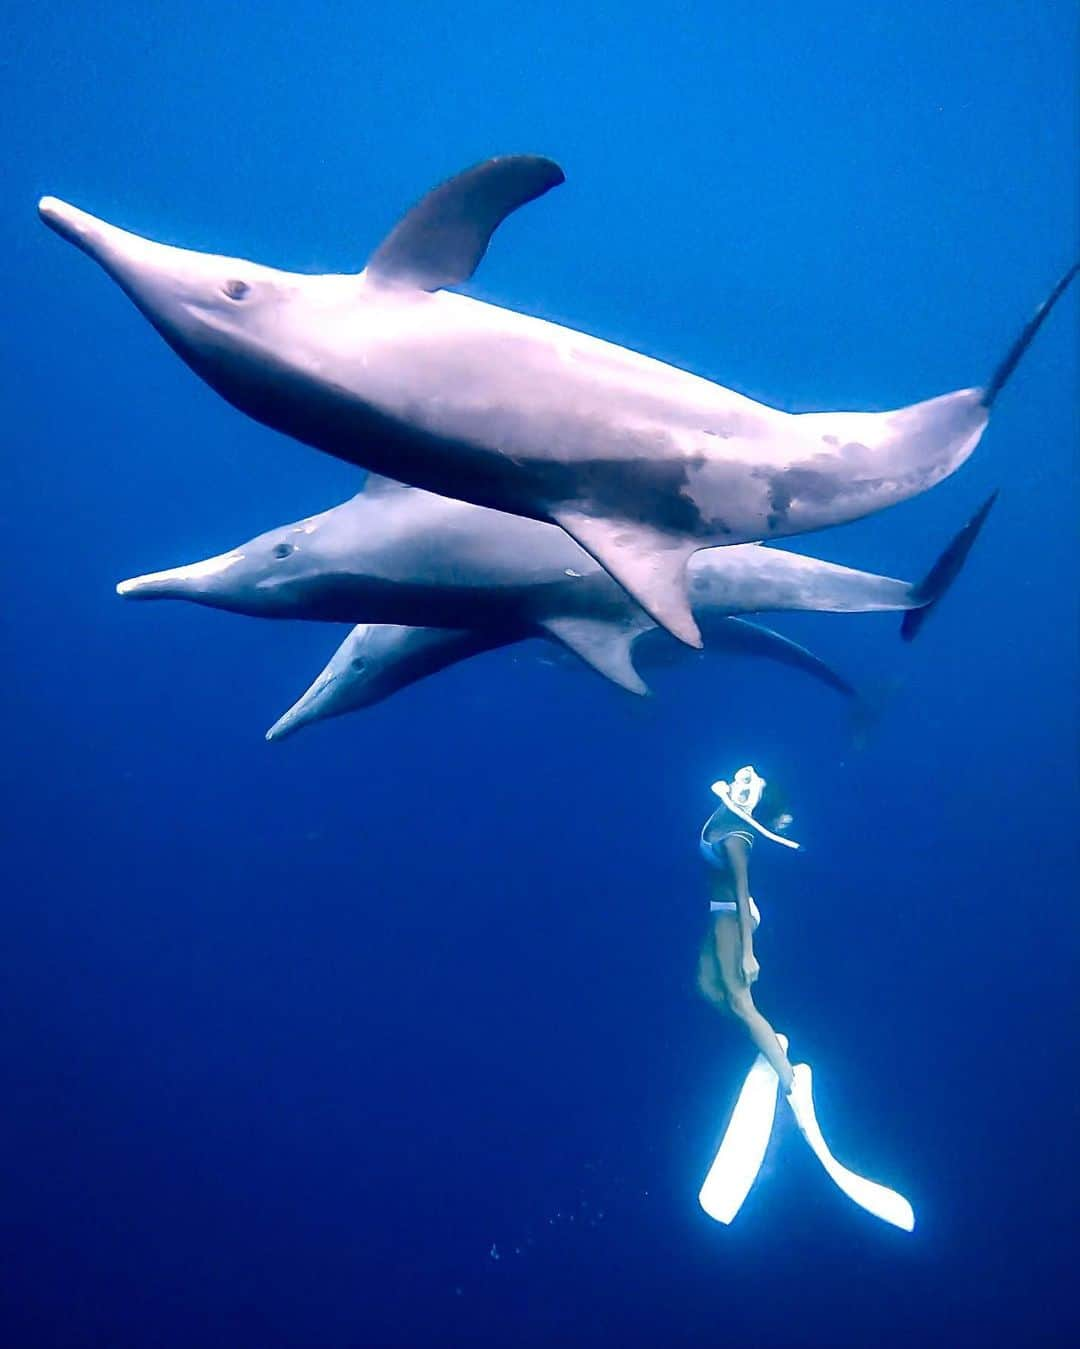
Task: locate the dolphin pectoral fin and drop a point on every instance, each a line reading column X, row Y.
column 649, row 565
column 441, row 240
column 603, row 645
column 943, row 573
column 754, row 639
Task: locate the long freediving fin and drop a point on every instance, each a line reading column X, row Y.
column 882, row 1202
column 649, row 565
column 606, row 647
column 441, row 240
column 931, row 589
column 742, row 1148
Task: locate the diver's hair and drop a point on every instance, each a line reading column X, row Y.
column 772, row 805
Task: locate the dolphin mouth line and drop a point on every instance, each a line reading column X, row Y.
column 162, row 583
column 304, row 710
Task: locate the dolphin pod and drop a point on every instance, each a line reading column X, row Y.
column 641, row 463
column 377, row 660
column 401, row 556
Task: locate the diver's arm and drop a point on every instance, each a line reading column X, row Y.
column 738, row 853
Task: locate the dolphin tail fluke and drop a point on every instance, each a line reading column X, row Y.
column 1013, row 357
column 648, row 564
column 932, row 588
column 606, row 647
column 879, row 1200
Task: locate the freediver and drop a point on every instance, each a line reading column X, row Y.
column 752, row 808
column 727, row 968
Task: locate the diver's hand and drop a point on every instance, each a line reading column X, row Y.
column 749, row 969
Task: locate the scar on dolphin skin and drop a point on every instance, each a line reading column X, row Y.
column 805, row 484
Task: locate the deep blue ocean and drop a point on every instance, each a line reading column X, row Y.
column 388, row 1035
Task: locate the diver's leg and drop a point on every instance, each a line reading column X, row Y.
column 763, row 1036
column 740, row 1002
column 709, row 981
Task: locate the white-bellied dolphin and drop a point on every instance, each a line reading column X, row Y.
column 399, row 555
column 376, row 660
column 642, row 463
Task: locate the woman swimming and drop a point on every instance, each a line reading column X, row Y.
column 749, row 807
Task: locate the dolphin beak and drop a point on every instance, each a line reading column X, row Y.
column 178, row 583
column 95, row 237
column 155, row 276
column 317, row 703
column 344, row 683
column 68, row 221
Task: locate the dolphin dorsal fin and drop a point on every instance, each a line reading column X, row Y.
column 441, row 240
column 375, row 485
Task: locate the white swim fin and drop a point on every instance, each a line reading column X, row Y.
column 742, row 1148
column 876, row 1199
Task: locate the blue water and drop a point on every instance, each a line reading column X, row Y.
column 387, row 1035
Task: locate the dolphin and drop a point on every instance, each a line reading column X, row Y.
column 376, row 660
column 398, row 555
column 640, row 462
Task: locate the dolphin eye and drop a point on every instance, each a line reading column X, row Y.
column 359, row 664
column 283, row 549
column 236, row 290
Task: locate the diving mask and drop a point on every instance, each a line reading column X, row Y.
column 745, row 789
column 741, row 796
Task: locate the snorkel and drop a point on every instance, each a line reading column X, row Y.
column 742, row 795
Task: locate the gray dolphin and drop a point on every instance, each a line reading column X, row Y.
column 376, row 660
column 640, row 462
column 399, row 555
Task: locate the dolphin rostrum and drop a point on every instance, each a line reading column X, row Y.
column 376, row 660
column 640, row 462
column 399, row 555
